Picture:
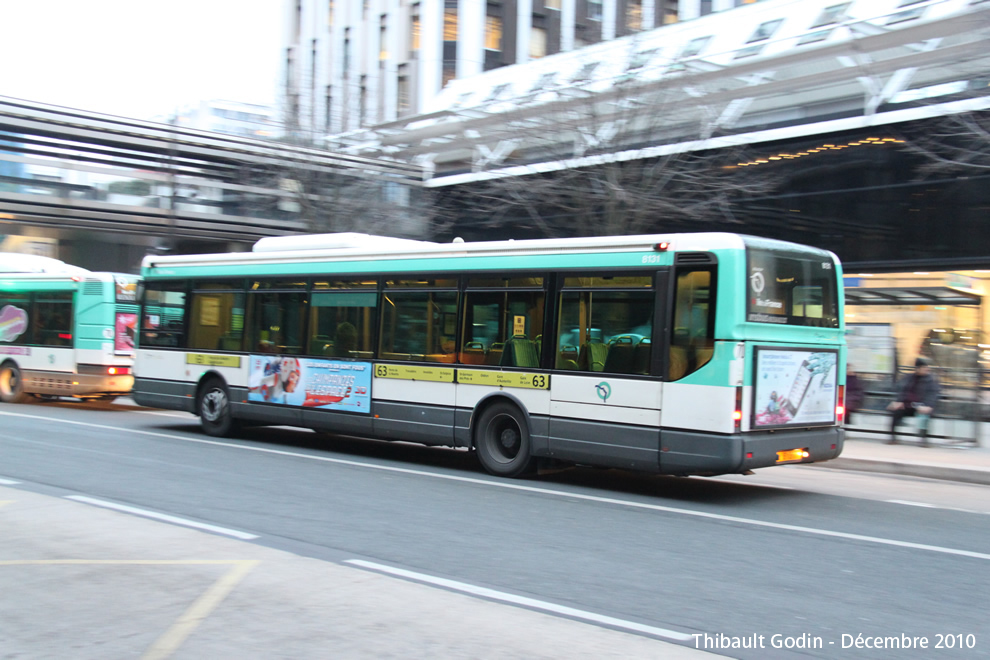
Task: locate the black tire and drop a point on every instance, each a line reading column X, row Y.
column 12, row 384
column 213, row 406
column 501, row 438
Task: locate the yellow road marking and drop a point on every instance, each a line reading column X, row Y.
column 184, row 626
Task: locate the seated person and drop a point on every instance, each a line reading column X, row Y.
column 346, row 340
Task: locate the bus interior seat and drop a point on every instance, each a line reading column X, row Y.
column 619, row 359
column 473, row 353
column 229, row 343
column 520, row 352
column 493, row 356
column 592, row 356
column 567, row 358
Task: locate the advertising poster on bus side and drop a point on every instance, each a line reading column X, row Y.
column 126, row 325
column 794, row 387
column 310, row 383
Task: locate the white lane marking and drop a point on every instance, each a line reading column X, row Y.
column 532, row 603
column 8, row 482
column 161, row 516
column 534, row 489
column 921, row 504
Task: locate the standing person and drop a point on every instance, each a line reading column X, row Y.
column 917, row 395
column 854, row 393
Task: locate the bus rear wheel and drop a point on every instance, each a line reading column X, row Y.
column 502, row 441
column 12, row 385
column 214, row 409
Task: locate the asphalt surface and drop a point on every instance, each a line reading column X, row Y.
column 70, row 572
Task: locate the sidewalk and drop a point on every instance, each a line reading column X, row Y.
column 942, row 459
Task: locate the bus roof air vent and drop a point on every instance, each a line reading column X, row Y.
column 695, row 258
column 92, row 287
column 338, row 241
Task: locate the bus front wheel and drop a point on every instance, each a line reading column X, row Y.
column 214, row 409
column 12, row 385
column 502, row 441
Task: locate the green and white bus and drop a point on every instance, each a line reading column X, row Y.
column 64, row 331
column 679, row 354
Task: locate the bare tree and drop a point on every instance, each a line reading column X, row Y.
column 606, row 168
column 330, row 192
column 953, row 144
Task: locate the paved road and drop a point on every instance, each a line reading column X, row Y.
column 806, row 553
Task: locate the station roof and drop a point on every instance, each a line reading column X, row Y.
column 773, row 70
column 929, row 295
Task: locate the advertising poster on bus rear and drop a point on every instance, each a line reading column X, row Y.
column 794, row 387
column 125, row 328
column 310, row 383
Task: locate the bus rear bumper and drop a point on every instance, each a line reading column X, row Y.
column 82, row 385
column 686, row 452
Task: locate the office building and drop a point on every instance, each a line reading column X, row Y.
column 355, row 63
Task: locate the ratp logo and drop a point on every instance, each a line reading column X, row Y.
column 604, row 391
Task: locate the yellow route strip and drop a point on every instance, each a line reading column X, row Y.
column 184, row 626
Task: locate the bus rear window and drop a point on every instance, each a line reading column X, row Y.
column 792, row 288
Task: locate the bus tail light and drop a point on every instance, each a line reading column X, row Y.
column 737, row 412
column 840, row 405
column 118, row 371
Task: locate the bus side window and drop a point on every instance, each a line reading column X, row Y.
column 277, row 315
column 606, row 330
column 692, row 340
column 53, row 319
column 506, row 324
column 217, row 321
column 163, row 315
column 418, row 325
column 342, row 321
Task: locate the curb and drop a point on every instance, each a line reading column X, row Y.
column 927, row 471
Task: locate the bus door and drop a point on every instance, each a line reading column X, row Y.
column 605, row 396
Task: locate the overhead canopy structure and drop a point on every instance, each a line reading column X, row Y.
column 928, row 295
column 769, row 71
column 73, row 171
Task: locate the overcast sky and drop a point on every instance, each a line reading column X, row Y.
column 139, row 58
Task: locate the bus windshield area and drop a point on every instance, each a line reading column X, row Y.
column 791, row 288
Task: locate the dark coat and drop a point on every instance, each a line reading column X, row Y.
column 926, row 392
column 854, row 393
